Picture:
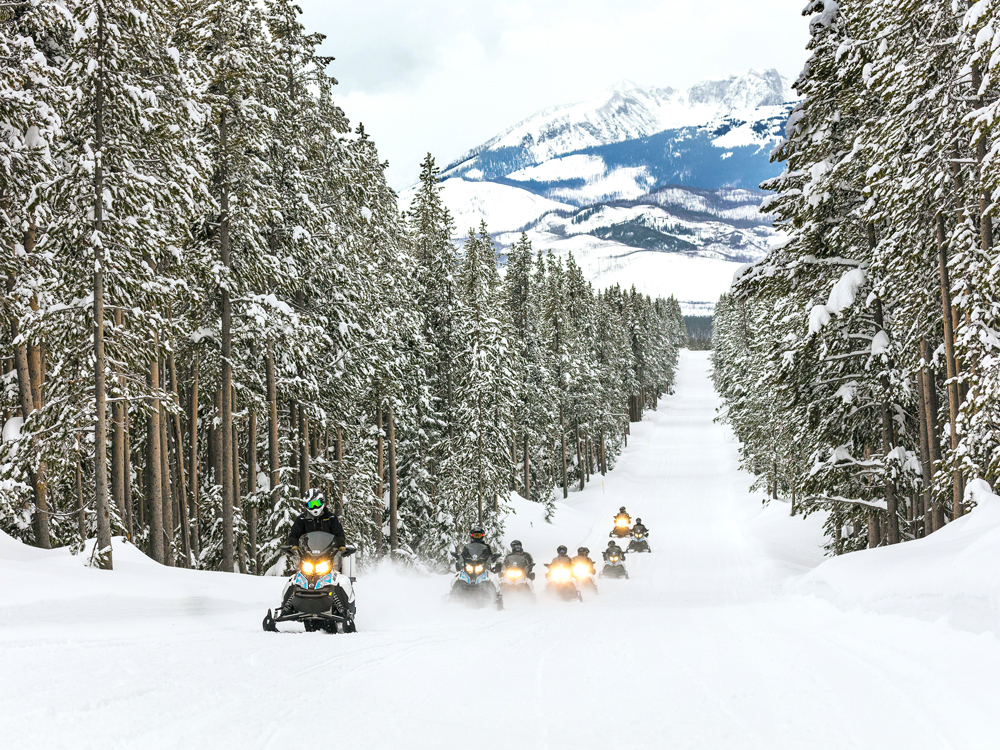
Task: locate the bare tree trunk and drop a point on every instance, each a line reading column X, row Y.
column 380, row 482
column 241, row 557
column 118, row 410
column 927, row 471
column 182, row 509
column 527, row 469
column 303, row 450
column 100, row 406
column 934, row 442
column 888, row 437
column 562, row 434
column 252, row 490
column 81, row 519
column 949, row 348
column 167, row 489
column 27, row 402
column 393, row 510
column 130, row 525
column 579, row 456
column 226, row 428
column 272, row 426
column 153, row 463
column 193, row 463
column 339, row 452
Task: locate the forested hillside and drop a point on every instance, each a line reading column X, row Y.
column 858, row 359
column 212, row 304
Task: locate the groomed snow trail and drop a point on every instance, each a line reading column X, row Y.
column 700, row 649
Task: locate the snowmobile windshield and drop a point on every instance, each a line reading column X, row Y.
column 476, row 551
column 317, row 542
column 516, row 561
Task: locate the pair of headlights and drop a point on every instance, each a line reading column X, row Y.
column 320, row 568
column 470, row 569
column 514, row 573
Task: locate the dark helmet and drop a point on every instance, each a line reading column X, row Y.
column 516, row 546
column 612, row 544
column 561, row 549
column 638, row 520
column 315, row 502
column 583, row 551
column 621, row 509
column 477, row 534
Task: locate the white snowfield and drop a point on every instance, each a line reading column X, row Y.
column 734, row 633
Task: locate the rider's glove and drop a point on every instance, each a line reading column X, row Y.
column 342, row 549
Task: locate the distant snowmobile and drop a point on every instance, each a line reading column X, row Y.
column 475, row 580
column 320, row 594
column 584, row 570
column 623, row 523
column 639, row 541
column 614, row 562
column 516, row 578
column 561, row 581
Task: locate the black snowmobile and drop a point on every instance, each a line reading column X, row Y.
column 515, row 577
column 476, row 581
column 614, row 565
column 639, row 542
column 319, row 594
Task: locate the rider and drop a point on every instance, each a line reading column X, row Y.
column 583, row 556
column 316, row 517
column 639, row 528
column 613, row 550
column 623, row 514
column 561, row 557
column 517, row 551
column 477, row 536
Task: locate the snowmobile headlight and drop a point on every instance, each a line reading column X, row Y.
column 581, row 570
column 560, row 574
column 323, row 568
column 614, row 559
column 479, row 568
column 469, row 569
column 621, row 523
column 514, row 573
column 307, row 567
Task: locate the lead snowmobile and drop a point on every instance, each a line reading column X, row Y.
column 320, row 593
column 475, row 581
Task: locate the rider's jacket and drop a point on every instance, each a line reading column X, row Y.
column 326, row 521
column 641, row 528
column 585, row 559
column 521, row 560
column 561, row 560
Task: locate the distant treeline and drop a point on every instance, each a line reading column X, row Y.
column 699, row 331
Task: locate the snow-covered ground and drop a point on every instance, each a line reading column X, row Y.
column 733, row 634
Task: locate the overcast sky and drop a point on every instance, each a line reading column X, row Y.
column 445, row 75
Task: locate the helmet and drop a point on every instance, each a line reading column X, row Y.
column 561, row 549
column 612, row 544
column 621, row 509
column 516, row 546
column 315, row 502
column 583, row 551
column 477, row 534
column 638, row 520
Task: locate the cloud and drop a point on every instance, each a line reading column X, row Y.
column 445, row 75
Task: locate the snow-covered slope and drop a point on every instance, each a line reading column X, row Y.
column 707, row 645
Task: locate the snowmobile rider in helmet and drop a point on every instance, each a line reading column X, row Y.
column 583, row 556
column 639, row 528
column 561, row 558
column 623, row 514
column 316, row 517
column 516, row 551
column 613, row 550
column 478, row 536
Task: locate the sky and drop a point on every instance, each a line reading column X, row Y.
column 443, row 76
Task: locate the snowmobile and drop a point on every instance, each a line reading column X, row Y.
column 561, row 581
column 614, row 566
column 515, row 579
column 639, row 543
column 621, row 529
column 583, row 572
column 320, row 594
column 475, row 580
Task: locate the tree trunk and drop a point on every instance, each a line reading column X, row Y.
column 339, row 452
column 579, row 457
column 303, row 450
column 933, row 434
column 182, row 508
column 393, row 510
column 949, row 348
column 226, row 428
column 167, row 490
column 252, row 490
column 130, row 525
column 927, row 472
column 241, row 557
column 527, row 469
column 888, row 438
column 81, row 519
column 153, row 463
column 27, row 402
column 118, row 410
column 562, row 438
column 193, row 463
column 272, row 426
column 100, row 406
column 380, row 481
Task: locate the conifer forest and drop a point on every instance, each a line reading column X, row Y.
column 858, row 360
column 213, row 303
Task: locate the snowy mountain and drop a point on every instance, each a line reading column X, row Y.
column 652, row 186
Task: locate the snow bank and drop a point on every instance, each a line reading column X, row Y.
column 953, row 574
